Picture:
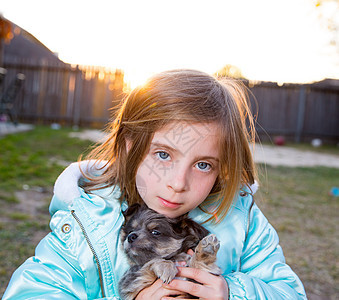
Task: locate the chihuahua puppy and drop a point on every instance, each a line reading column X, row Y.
column 154, row 243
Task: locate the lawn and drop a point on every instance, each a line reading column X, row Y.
column 29, row 164
column 298, row 204
column 295, row 200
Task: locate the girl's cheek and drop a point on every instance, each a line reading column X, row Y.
column 141, row 186
column 206, row 182
column 150, row 170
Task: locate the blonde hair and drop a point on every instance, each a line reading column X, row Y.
column 179, row 95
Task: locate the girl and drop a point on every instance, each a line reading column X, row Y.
column 180, row 144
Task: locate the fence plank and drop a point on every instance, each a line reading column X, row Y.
column 66, row 94
column 299, row 112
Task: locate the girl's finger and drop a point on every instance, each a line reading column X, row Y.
column 156, row 291
column 198, row 275
column 189, row 287
column 151, row 290
column 181, row 263
column 182, row 297
column 206, row 284
column 190, row 252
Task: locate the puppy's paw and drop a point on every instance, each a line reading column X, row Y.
column 165, row 270
column 208, row 245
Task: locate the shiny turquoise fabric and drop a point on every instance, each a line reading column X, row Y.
column 64, row 266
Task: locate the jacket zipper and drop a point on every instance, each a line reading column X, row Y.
column 93, row 251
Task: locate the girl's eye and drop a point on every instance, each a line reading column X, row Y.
column 163, row 155
column 203, row 166
column 155, row 232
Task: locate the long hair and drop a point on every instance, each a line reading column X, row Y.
column 185, row 96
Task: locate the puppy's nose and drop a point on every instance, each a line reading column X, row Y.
column 132, row 237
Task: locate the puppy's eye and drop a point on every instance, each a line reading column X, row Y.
column 155, row 232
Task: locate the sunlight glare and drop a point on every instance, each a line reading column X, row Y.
column 282, row 41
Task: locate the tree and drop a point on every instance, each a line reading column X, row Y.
column 328, row 14
column 5, row 35
column 229, row 71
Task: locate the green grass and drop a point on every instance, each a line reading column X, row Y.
column 296, row 201
column 19, row 216
column 298, row 204
column 31, row 158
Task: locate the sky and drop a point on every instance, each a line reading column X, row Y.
column 269, row 40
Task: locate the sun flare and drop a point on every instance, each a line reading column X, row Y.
column 262, row 45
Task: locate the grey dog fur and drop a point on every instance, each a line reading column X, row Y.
column 153, row 243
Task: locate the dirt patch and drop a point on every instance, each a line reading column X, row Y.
column 290, row 157
column 9, row 128
column 31, row 202
column 90, row 135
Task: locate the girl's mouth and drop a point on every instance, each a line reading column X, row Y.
column 169, row 204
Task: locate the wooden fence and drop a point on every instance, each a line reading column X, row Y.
column 84, row 96
column 297, row 112
column 80, row 95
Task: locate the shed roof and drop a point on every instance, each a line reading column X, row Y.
column 26, row 48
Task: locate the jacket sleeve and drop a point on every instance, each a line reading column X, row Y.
column 55, row 272
column 263, row 273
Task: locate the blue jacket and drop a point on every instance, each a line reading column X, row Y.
column 82, row 257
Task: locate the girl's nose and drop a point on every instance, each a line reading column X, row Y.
column 178, row 181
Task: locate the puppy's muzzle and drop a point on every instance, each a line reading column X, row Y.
column 132, row 237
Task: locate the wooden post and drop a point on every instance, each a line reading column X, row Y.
column 301, row 113
column 42, row 90
column 66, row 74
column 1, row 52
column 98, row 109
column 77, row 97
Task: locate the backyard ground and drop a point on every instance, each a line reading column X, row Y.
column 295, row 199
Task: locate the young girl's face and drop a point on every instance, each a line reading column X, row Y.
column 180, row 168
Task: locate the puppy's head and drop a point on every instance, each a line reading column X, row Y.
column 147, row 234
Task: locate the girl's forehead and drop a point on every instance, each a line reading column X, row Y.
column 186, row 137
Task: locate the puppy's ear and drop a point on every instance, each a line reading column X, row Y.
column 191, row 231
column 130, row 211
column 195, row 229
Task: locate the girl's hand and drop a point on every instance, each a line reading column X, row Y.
column 208, row 286
column 156, row 291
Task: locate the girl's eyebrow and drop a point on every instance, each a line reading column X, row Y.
column 165, row 146
column 169, row 148
column 208, row 158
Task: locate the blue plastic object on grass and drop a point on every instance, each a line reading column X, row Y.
column 335, row 191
